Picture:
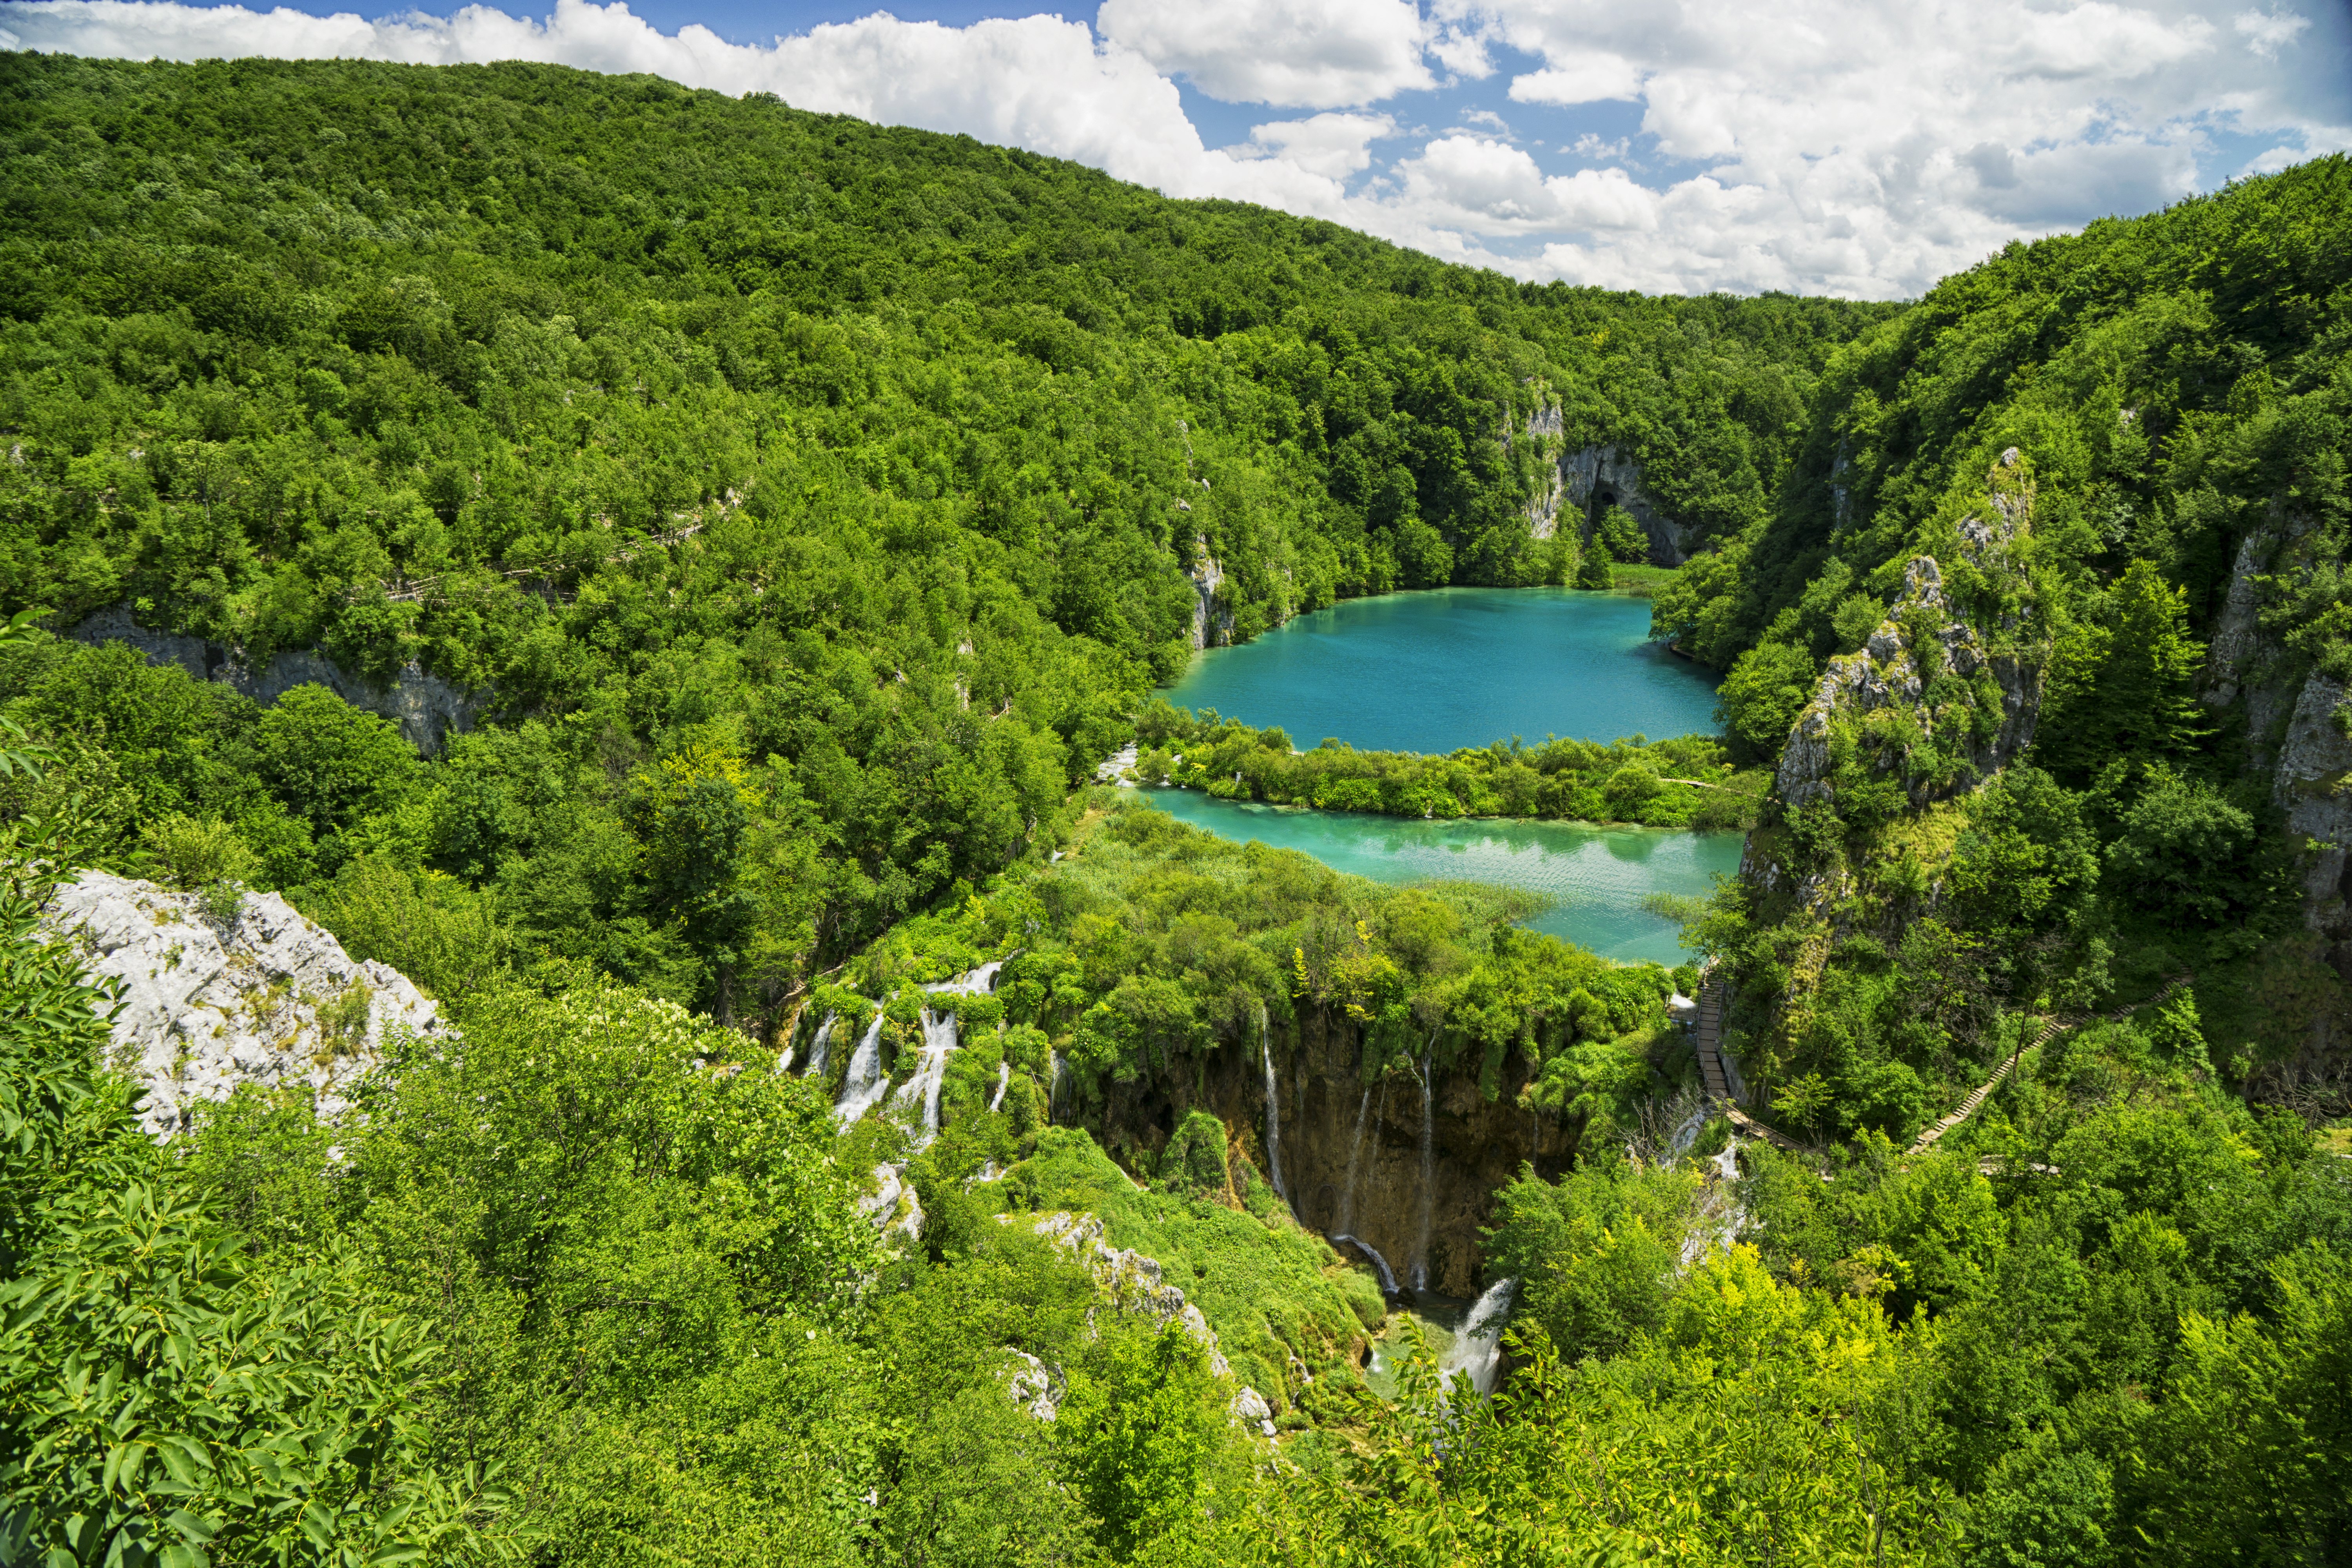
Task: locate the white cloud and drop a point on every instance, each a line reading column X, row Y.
column 1592, row 79
column 1320, row 54
column 2266, row 32
column 1477, row 182
column 1333, row 146
column 1869, row 146
column 1862, row 147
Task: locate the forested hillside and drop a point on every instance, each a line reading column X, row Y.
column 2125, row 452
column 839, row 1084
column 875, row 460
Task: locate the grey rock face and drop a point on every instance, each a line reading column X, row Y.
column 1592, row 478
column 1211, row 625
column 2313, row 782
column 425, row 707
column 266, row 998
column 1546, row 429
column 893, row 1206
column 1035, row 1387
column 2238, row 643
column 1888, row 673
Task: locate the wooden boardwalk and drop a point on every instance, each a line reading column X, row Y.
column 2051, row 1028
column 1718, row 1083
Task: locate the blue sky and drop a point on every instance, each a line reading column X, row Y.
column 1856, row 147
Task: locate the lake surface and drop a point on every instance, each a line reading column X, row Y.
column 1597, row 874
column 1449, row 667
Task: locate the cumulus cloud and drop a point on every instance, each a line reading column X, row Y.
column 1591, row 79
column 1333, row 146
column 1869, row 146
column 1480, row 182
column 1317, row 54
column 1862, row 147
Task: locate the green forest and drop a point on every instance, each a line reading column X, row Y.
column 800, row 512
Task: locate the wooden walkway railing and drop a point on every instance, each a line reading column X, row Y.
column 2051, row 1028
column 1716, row 1081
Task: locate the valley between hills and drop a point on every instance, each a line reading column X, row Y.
column 732, row 837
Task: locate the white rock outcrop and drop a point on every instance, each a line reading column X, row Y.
column 263, row 997
column 1126, row 1280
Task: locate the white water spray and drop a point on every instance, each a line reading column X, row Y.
column 1478, row 1347
column 1347, row 1193
column 863, row 1083
column 1272, row 1110
column 1003, row 1080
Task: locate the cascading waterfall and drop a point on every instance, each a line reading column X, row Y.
column 921, row 1089
column 1722, row 1214
column 1478, row 1347
column 1428, row 1177
column 863, row 1083
column 1272, row 1112
column 1355, row 1148
column 940, row 1042
column 1003, row 1081
column 820, row 1056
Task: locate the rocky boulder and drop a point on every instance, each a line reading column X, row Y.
column 211, row 999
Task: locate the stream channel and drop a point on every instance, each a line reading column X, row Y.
column 1453, row 667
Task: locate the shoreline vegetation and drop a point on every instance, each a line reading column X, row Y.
column 1688, row 782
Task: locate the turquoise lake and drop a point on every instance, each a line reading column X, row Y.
column 1597, row 874
column 1449, row 667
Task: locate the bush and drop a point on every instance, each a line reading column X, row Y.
column 1759, row 700
column 439, row 933
column 194, row 852
column 2186, row 852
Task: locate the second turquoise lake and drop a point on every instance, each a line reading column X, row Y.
column 1598, row 875
column 1449, row 667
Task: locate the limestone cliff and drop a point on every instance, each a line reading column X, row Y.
column 425, row 707
column 1594, row 478
column 214, row 999
column 1352, row 1157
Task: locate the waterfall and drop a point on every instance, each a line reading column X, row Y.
column 940, row 1041
column 865, row 1083
column 1380, row 1264
column 922, row 1088
column 821, row 1048
column 1273, row 1109
column 1720, row 1214
column 1347, row 1193
column 1003, row 1079
column 1478, row 1347
column 1053, row 1082
column 1428, row 1177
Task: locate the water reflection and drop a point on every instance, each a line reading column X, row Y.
column 1597, row 876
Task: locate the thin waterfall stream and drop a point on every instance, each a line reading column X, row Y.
column 1355, row 1150
column 1428, row 1175
column 1272, row 1112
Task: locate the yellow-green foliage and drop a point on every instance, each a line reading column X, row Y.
column 1272, row 1290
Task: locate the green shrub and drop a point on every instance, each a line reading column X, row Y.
column 193, row 852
